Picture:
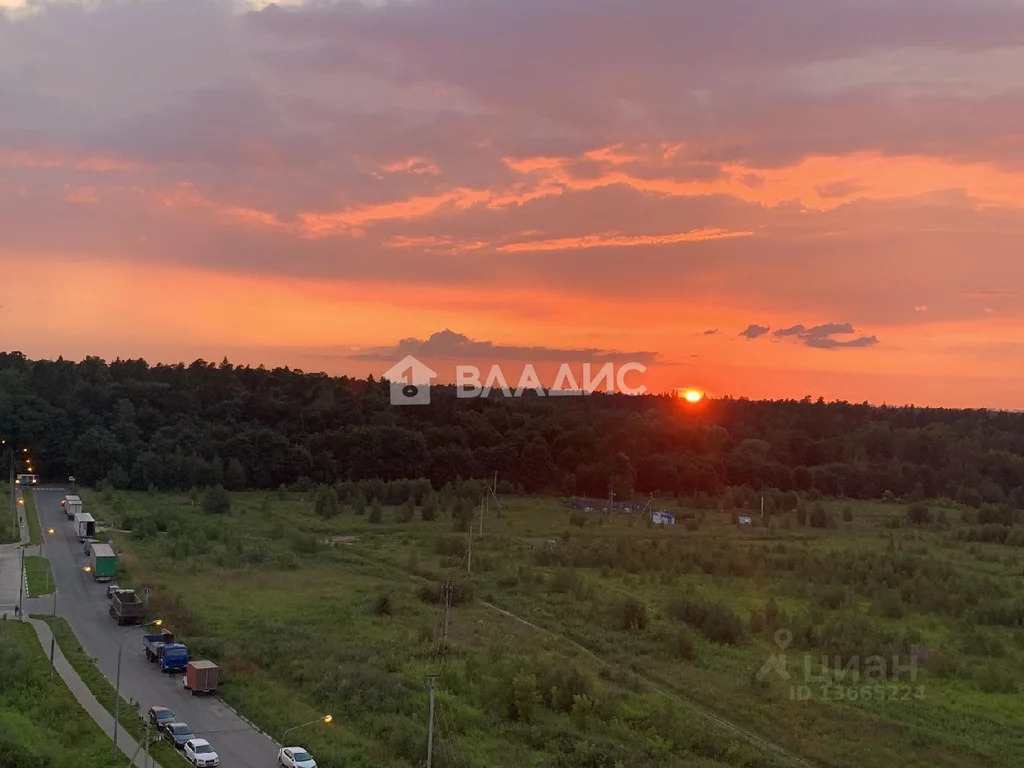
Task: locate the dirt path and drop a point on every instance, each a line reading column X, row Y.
column 746, row 734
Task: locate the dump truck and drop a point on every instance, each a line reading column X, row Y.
column 201, row 677
column 85, row 526
column 103, row 561
column 72, row 506
column 126, row 607
column 161, row 649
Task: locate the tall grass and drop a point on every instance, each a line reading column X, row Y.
column 41, row 724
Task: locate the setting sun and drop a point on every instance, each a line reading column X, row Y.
column 693, row 395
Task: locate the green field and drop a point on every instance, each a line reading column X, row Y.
column 38, row 575
column 130, row 719
column 595, row 645
column 41, row 724
column 8, row 521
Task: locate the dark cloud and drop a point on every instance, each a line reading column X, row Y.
column 753, row 331
column 820, row 336
column 711, row 332
column 449, row 345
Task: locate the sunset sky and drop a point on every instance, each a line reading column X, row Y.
column 813, row 198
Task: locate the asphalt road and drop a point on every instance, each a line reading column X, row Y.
column 83, row 603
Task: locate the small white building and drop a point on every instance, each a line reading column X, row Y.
column 745, row 520
column 660, row 517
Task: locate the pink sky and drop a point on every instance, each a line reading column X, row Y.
column 822, row 199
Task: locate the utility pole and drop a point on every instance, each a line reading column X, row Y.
column 483, row 505
column 51, row 629
column 21, row 583
column 469, row 553
column 430, row 725
column 446, row 595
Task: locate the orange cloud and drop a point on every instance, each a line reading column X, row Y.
column 618, row 240
column 81, row 194
column 416, row 165
column 819, row 183
column 19, row 158
column 448, row 245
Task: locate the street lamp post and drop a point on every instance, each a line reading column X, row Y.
column 117, row 687
column 321, row 719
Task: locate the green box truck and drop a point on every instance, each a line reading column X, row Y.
column 103, row 561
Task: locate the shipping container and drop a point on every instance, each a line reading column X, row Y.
column 201, row 677
column 103, row 561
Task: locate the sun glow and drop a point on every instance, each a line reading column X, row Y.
column 693, row 395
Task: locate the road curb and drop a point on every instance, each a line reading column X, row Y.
column 248, row 722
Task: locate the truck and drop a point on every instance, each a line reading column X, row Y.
column 200, row 677
column 72, row 506
column 103, row 561
column 126, row 607
column 161, row 649
column 85, row 526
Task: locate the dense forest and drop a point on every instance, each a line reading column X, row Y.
column 175, row 427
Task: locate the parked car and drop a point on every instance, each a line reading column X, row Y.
column 178, row 734
column 295, row 757
column 111, row 589
column 200, row 753
column 160, row 716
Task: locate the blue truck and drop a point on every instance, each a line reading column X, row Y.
column 171, row 656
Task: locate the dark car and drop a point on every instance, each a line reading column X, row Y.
column 178, row 734
column 160, row 716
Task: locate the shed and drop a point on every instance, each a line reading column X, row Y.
column 661, row 517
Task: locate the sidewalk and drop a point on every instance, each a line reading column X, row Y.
column 89, row 703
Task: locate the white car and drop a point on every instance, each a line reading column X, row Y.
column 295, row 757
column 200, row 753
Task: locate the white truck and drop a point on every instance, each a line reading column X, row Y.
column 85, row 526
column 72, row 506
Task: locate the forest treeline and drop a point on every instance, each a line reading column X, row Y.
column 176, row 427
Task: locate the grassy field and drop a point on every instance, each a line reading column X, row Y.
column 38, row 575
column 133, row 724
column 595, row 645
column 8, row 523
column 41, row 724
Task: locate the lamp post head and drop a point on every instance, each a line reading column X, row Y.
column 50, row 531
column 327, row 718
column 87, row 568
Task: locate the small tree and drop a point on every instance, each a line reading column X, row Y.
column 376, row 512
column 408, row 511
column 632, row 614
column 326, row 502
column 358, row 503
column 216, row 501
column 429, row 509
column 847, row 514
column 918, row 513
column 234, row 475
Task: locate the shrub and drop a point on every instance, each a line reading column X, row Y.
column 918, row 513
column 847, row 514
column 326, row 502
column 428, row 511
column 632, row 615
column 382, row 605
column 376, row 513
column 216, row 501
column 408, row 511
